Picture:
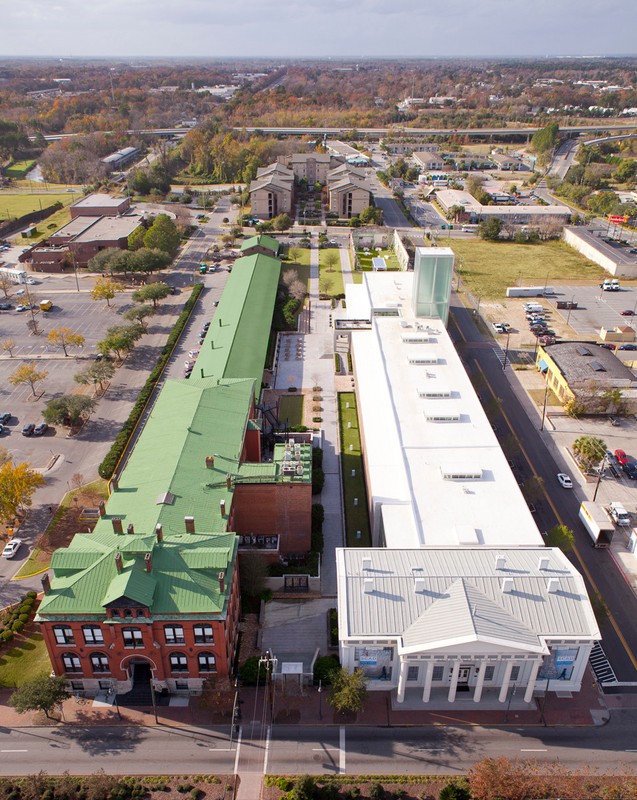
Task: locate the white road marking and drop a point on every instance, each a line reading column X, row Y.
column 267, row 751
column 531, row 750
column 236, row 760
column 427, row 749
column 341, row 759
column 323, row 749
column 221, row 749
column 14, row 751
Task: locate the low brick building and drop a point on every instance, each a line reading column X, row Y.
column 100, row 205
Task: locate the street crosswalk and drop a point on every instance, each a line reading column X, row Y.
column 601, row 665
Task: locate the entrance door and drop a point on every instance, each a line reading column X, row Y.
column 463, row 676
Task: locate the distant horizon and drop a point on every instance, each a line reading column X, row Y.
column 320, row 29
column 347, row 58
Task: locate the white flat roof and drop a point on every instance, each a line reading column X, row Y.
column 99, row 200
column 409, row 446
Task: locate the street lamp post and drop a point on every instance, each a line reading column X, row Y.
column 506, row 352
column 570, row 308
column 320, row 699
column 546, row 394
column 599, row 476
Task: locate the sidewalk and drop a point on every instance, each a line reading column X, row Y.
column 307, row 706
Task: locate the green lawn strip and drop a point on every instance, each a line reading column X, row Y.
column 32, row 566
column 356, row 516
column 47, row 227
column 24, row 661
column 291, row 410
column 330, row 282
column 365, row 260
column 19, row 169
column 17, row 205
column 487, row 268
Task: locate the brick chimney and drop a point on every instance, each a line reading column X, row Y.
column 130, row 528
column 102, row 508
column 210, row 462
column 117, row 525
column 222, row 507
column 46, row 583
column 148, row 562
column 190, row 524
column 160, row 533
column 222, row 582
column 228, row 481
column 119, row 562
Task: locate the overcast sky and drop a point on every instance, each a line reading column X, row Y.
column 317, row 28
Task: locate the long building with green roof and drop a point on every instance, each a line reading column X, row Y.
column 153, row 592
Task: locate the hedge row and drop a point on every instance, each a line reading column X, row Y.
column 109, row 464
column 15, row 618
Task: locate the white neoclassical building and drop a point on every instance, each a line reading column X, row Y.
column 449, row 623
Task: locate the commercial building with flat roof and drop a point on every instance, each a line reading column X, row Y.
column 516, row 214
column 100, row 205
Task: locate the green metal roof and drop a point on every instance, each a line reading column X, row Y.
column 261, row 241
column 133, row 583
column 237, row 341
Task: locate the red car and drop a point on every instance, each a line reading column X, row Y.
column 621, row 457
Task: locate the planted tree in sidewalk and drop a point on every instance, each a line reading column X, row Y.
column 139, row 314
column 589, row 450
column 40, row 694
column 70, row 410
column 119, row 339
column 65, row 337
column 348, row 691
column 561, row 536
column 97, row 373
column 153, row 292
column 29, row 374
column 7, row 346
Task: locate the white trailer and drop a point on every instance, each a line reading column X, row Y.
column 14, row 275
column 529, row 291
column 597, row 522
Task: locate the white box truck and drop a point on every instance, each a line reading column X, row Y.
column 597, row 522
column 619, row 515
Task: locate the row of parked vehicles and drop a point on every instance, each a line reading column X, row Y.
column 30, row 429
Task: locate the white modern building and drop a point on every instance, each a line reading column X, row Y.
column 459, row 593
column 444, row 624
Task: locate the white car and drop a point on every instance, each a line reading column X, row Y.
column 11, row 548
column 565, row 480
column 32, row 281
column 497, row 327
column 193, row 353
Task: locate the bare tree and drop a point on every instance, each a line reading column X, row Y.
column 289, row 276
column 297, row 290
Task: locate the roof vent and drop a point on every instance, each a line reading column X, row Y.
column 210, row 461
column 500, row 562
column 507, row 585
column 543, row 563
column 367, row 562
column 190, row 524
column 553, row 585
column 368, row 584
column 130, row 528
column 419, row 585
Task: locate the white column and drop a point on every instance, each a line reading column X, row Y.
column 505, row 682
column 535, row 668
column 402, row 681
column 477, row 692
column 454, row 682
column 429, row 673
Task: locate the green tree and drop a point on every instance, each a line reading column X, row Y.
column 18, row 482
column 106, row 289
column 136, row 239
column 281, row 222
column 603, row 202
column 533, row 488
column 148, row 260
column 348, row 691
column 371, row 216
column 625, row 171
column 101, row 262
column 29, row 374
column 589, row 450
column 543, row 142
column 561, row 536
column 139, row 314
column 69, row 410
column 119, row 339
column 40, row 694
column 163, row 235
column 489, row 229
column 65, row 337
column 96, row 373
column 153, row 292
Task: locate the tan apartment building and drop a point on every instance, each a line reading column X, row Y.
column 272, row 192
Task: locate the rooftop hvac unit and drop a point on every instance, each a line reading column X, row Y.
column 461, row 473
column 423, row 358
column 427, row 392
column 415, row 338
column 442, row 416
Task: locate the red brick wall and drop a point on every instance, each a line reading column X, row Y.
column 101, row 211
column 283, row 508
column 252, row 447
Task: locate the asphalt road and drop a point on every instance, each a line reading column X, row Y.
column 317, row 750
column 554, row 506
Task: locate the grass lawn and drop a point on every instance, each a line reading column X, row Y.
column 47, row 227
column 330, row 278
column 365, row 259
column 291, row 410
column 24, row 661
column 19, row 169
column 16, row 205
column 487, row 268
column 356, row 516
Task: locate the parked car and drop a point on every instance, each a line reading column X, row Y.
column 11, row 548
column 5, row 306
column 5, row 416
column 565, row 480
column 497, row 327
column 32, row 281
column 40, row 429
column 628, row 313
column 3, row 429
column 621, row 457
column 628, row 346
column 630, row 470
column 193, row 353
column 28, row 429
column 506, row 326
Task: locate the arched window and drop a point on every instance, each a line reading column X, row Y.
column 71, row 662
column 207, row 662
column 99, row 662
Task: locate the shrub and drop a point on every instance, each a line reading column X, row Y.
column 31, row 594
column 184, row 788
column 324, row 666
column 318, row 476
column 317, row 419
column 23, row 618
column 16, row 627
column 284, row 784
column 455, row 791
column 196, row 794
column 6, row 636
column 251, row 673
column 377, row 791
